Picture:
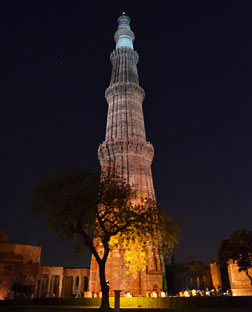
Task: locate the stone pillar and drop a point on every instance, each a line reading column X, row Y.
column 60, row 285
column 117, row 300
column 53, row 283
column 81, row 284
column 49, row 284
column 40, row 286
column 198, row 282
column 74, row 285
column 36, row 288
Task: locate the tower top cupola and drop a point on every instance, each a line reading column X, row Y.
column 124, row 37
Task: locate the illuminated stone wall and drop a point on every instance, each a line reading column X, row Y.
column 10, row 272
column 29, row 253
column 216, row 275
column 126, row 151
column 20, row 264
column 14, row 258
column 239, row 281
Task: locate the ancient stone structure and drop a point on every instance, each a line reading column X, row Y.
column 216, row 275
column 15, row 260
column 20, row 265
column 126, row 150
column 238, row 282
column 62, row 282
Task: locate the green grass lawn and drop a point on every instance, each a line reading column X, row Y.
column 91, row 309
column 134, row 304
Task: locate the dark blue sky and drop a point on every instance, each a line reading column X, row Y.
column 195, row 66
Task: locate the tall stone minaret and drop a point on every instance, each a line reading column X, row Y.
column 126, row 150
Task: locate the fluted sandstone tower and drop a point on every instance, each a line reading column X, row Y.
column 126, row 150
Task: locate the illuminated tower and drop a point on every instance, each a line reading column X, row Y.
column 126, row 150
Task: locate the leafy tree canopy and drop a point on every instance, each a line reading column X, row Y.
column 192, row 268
column 102, row 214
column 239, row 249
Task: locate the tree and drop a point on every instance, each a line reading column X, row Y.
column 239, row 249
column 196, row 271
column 101, row 214
column 195, row 268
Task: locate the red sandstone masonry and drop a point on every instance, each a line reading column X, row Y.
column 125, row 148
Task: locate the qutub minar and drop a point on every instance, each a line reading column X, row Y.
column 126, row 150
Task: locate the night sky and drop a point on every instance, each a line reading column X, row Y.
column 195, row 67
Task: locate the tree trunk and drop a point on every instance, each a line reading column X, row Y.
column 101, row 262
column 249, row 276
column 104, row 287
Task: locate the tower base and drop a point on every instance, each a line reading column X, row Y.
column 116, row 274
